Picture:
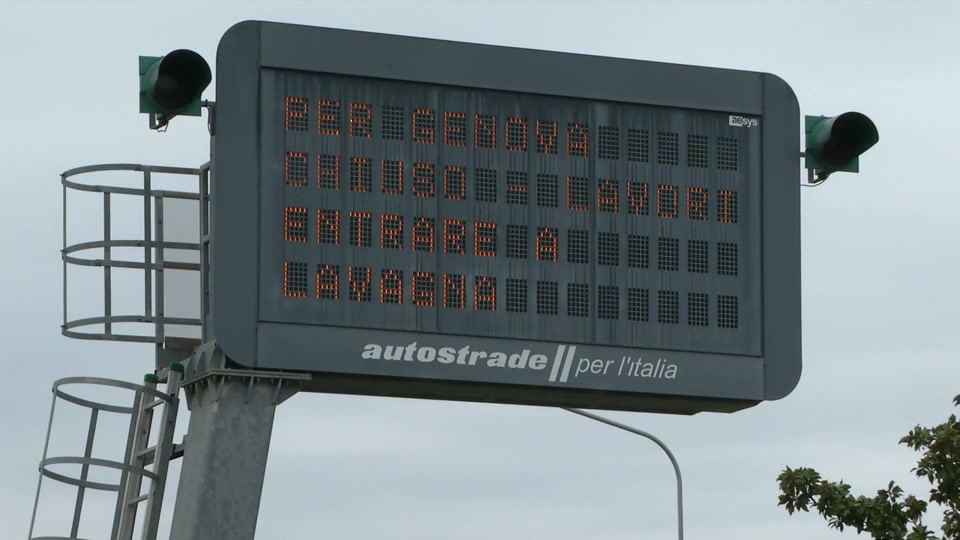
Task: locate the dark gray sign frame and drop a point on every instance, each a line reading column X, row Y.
column 702, row 382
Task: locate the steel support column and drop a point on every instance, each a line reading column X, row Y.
column 231, row 422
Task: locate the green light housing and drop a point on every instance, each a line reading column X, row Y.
column 171, row 85
column 836, row 143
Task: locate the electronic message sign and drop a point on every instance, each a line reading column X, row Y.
column 422, row 218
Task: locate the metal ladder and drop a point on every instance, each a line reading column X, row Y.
column 139, row 460
column 140, row 457
column 157, row 398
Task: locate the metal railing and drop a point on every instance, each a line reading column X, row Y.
column 139, row 461
column 152, row 243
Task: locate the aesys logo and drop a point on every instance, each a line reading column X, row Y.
column 563, row 366
column 743, row 121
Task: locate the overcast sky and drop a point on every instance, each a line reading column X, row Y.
column 880, row 300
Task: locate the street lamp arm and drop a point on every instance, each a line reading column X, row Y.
column 673, row 459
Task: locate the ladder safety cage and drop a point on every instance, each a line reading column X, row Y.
column 140, row 461
column 101, row 253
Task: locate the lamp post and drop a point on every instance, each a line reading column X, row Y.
column 673, row 459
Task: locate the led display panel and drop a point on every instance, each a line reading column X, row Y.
column 432, row 208
column 454, row 221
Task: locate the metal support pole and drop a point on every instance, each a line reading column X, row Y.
column 673, row 460
column 231, row 421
